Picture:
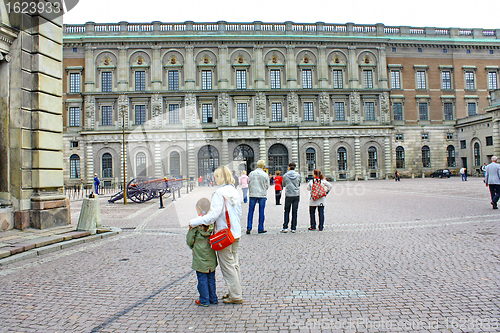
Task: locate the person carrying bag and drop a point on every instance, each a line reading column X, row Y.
column 319, row 188
column 225, row 214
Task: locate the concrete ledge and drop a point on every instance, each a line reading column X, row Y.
column 18, row 257
column 4, row 254
column 71, row 243
column 49, row 249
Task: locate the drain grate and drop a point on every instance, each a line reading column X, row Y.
column 340, row 293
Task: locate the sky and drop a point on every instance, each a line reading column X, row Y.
column 421, row 13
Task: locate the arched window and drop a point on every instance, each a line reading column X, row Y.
column 107, row 165
column 277, row 158
column 400, row 158
column 311, row 159
column 342, row 158
column 175, row 164
column 140, row 165
column 74, row 167
column 372, row 158
column 426, row 157
column 208, row 160
column 477, row 154
column 450, row 156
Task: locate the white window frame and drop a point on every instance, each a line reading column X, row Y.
column 307, row 81
column 421, row 80
column 492, row 71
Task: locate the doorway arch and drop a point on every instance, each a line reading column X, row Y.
column 245, row 156
column 208, row 160
column 277, row 158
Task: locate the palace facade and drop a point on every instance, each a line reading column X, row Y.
column 356, row 101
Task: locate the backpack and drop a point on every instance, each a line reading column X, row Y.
column 317, row 191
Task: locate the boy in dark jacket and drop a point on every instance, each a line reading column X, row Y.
column 204, row 258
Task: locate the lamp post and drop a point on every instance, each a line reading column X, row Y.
column 124, row 159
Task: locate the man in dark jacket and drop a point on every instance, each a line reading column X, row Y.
column 291, row 184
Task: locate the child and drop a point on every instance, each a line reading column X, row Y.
column 204, row 258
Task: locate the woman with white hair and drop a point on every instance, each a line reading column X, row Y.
column 226, row 197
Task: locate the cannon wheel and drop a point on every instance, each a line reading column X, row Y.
column 139, row 190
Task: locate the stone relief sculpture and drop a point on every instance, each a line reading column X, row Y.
column 355, row 108
column 384, row 108
column 260, row 109
column 224, row 109
column 324, row 108
column 293, row 108
column 123, row 110
column 156, row 110
column 89, row 113
column 191, row 110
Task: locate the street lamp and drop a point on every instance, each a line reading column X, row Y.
column 123, row 110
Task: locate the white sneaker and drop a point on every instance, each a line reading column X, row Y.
column 284, row 231
column 292, row 231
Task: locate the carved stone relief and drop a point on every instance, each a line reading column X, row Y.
column 224, row 109
column 293, row 108
column 123, row 111
column 260, row 109
column 191, row 110
column 384, row 108
column 324, row 108
column 89, row 113
column 355, row 108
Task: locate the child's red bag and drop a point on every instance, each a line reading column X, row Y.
column 223, row 238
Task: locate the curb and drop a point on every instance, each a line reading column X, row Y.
column 33, row 253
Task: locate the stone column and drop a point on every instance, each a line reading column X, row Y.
column 123, row 69
column 262, row 150
column 295, row 152
column 90, row 164
column 156, row 69
column 259, row 70
column 322, row 68
column 223, row 68
column 291, row 67
column 382, row 69
column 357, row 158
column 326, row 156
column 387, row 154
column 353, row 68
column 225, row 152
column 158, row 162
column 89, row 68
column 496, row 137
column 189, row 68
column 191, row 160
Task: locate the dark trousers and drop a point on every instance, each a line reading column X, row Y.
column 278, row 197
column 206, row 287
column 495, row 193
column 312, row 216
column 291, row 202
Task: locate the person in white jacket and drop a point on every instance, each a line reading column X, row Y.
column 226, row 197
column 319, row 203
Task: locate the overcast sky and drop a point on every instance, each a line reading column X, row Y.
column 421, row 13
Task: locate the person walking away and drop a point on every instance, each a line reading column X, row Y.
column 278, row 180
column 483, row 169
column 226, row 198
column 204, row 258
column 244, row 185
column 97, row 182
column 320, row 203
column 291, row 184
column 397, row 176
column 236, row 182
column 258, row 183
column 492, row 180
column 463, row 172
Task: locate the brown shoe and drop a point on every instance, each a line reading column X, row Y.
column 225, row 296
column 232, row 301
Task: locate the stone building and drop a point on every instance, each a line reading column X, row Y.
column 356, row 101
column 31, row 139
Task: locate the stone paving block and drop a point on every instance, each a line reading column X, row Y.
column 44, row 241
column 49, row 249
column 76, row 234
column 71, row 243
column 18, row 257
column 4, row 253
column 16, row 249
column 27, row 245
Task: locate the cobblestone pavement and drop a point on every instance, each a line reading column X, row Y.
column 420, row 255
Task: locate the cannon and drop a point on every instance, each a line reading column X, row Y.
column 144, row 189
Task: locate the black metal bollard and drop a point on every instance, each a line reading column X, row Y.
column 179, row 191
column 161, row 201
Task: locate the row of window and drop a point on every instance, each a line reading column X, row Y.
column 342, row 161
column 446, row 79
column 307, row 81
column 276, row 112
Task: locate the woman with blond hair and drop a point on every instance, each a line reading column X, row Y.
column 226, row 197
column 244, row 185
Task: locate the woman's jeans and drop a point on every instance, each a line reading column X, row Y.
column 245, row 194
column 312, row 216
column 206, row 288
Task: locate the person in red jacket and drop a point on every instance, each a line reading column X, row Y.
column 277, row 186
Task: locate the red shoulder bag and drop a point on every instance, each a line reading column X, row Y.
column 223, row 238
